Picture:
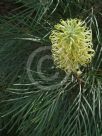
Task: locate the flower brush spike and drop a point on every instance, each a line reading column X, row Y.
column 71, row 45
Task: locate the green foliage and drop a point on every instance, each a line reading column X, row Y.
column 47, row 107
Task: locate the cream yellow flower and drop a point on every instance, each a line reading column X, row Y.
column 71, row 45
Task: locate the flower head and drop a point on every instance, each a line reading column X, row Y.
column 71, row 45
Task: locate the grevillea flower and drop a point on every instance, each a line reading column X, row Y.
column 71, row 45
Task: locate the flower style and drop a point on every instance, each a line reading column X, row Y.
column 71, row 45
